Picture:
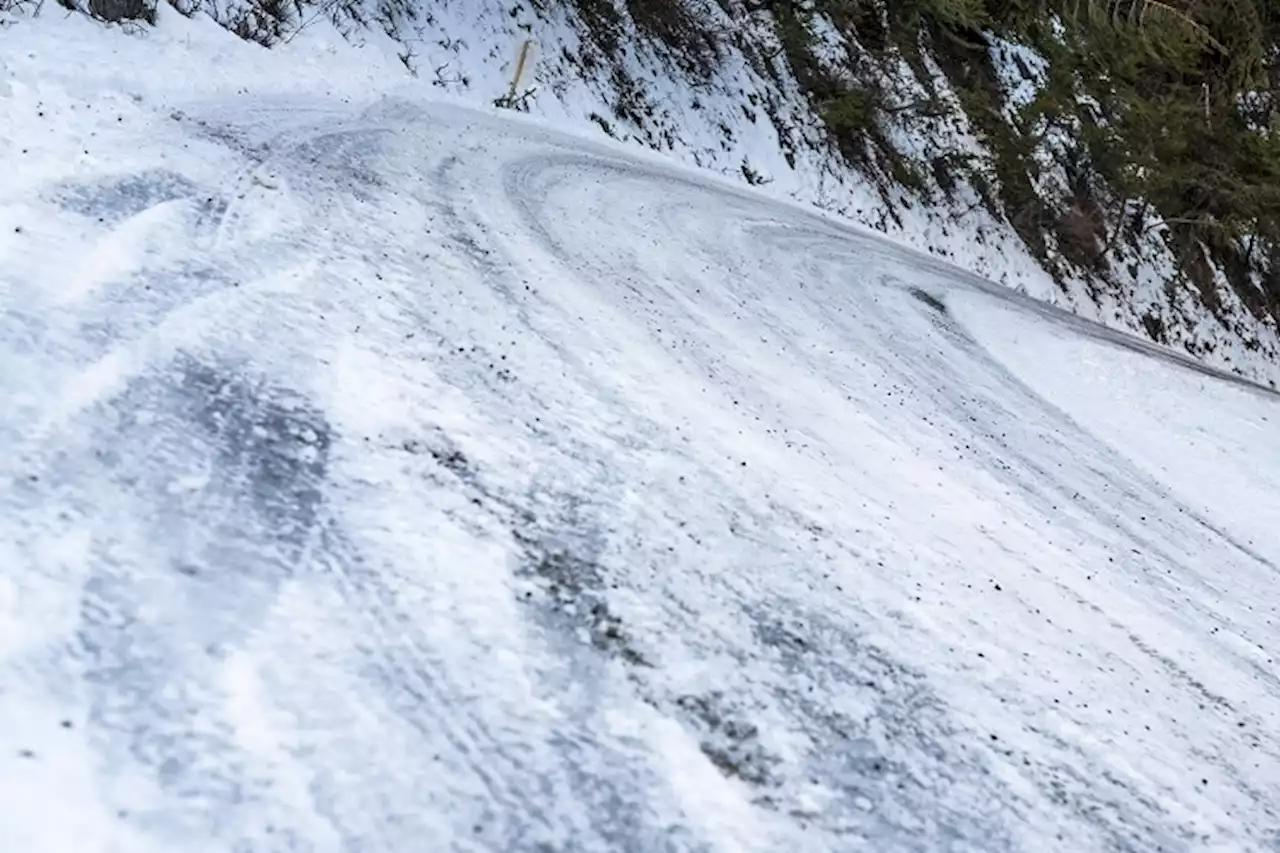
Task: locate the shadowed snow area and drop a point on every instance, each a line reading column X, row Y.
column 435, row 482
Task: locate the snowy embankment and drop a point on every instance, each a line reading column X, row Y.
column 379, row 473
column 746, row 116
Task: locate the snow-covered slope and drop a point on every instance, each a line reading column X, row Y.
column 709, row 83
column 378, row 474
column 723, row 95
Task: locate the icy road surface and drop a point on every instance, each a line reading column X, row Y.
column 403, row 479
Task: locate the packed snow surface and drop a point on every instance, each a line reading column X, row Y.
column 389, row 476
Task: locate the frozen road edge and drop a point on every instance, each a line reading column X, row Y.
column 430, row 478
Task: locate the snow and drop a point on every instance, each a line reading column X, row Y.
column 376, row 469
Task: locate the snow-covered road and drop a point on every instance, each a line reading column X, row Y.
column 405, row 479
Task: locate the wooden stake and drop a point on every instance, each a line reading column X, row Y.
column 521, row 58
